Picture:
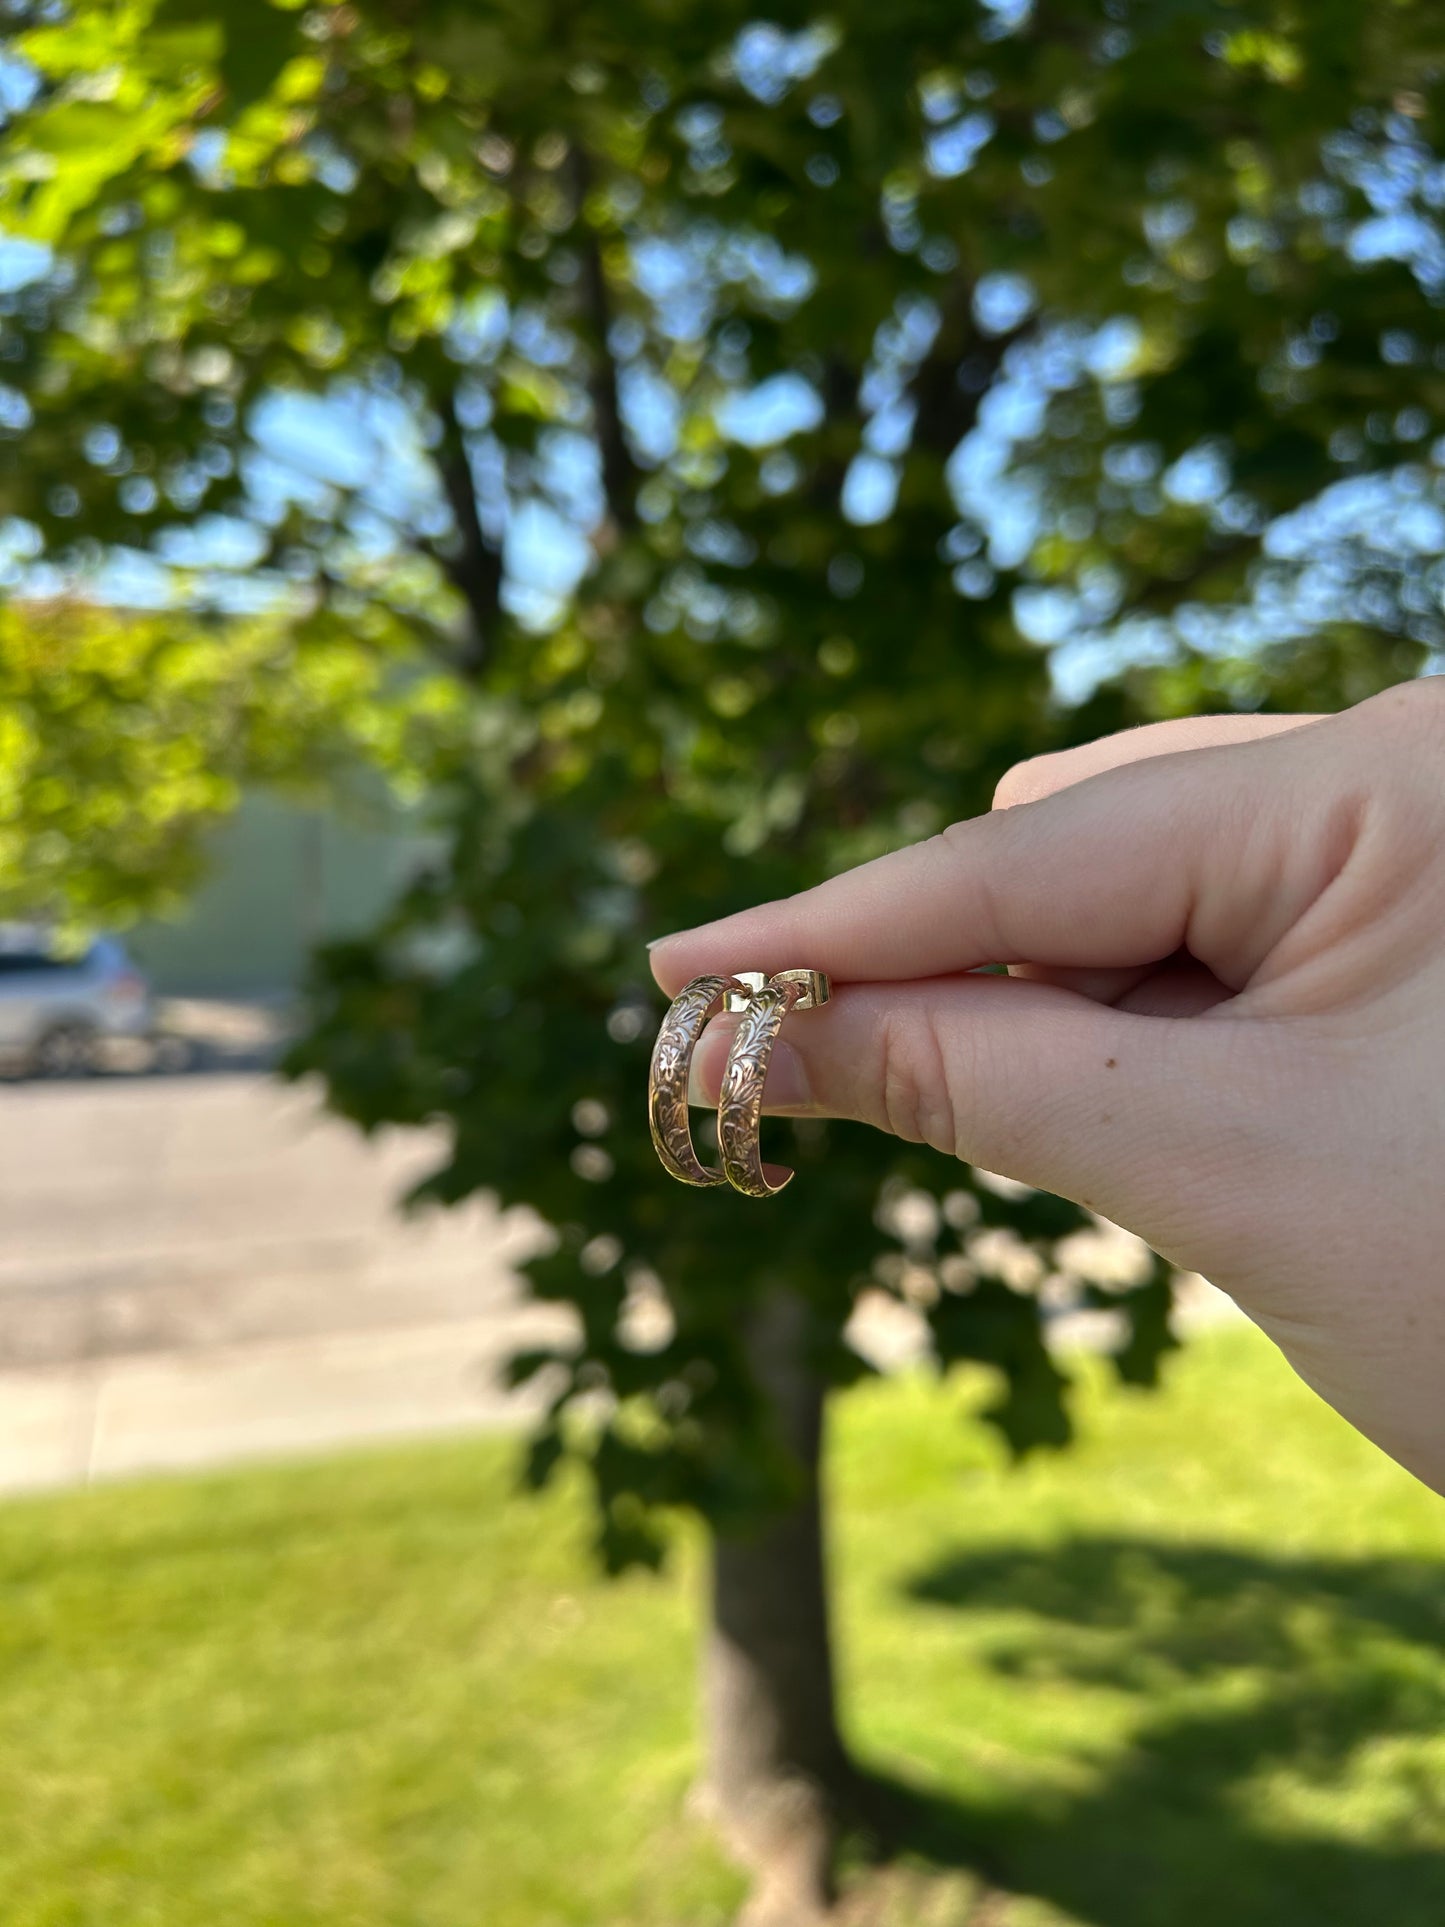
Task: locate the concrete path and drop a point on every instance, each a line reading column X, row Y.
column 201, row 1268
column 195, row 1269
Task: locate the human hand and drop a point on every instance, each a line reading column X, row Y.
column 1224, row 1025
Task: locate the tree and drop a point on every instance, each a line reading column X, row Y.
column 750, row 414
column 124, row 736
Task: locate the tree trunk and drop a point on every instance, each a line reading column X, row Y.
column 776, row 1770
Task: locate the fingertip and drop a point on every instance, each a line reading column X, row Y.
column 721, row 946
column 668, row 969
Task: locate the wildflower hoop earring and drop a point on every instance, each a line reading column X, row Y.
column 687, row 1017
column 740, row 1107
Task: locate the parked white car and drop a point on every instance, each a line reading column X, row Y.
column 57, row 1011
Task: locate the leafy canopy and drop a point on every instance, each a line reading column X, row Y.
column 124, row 736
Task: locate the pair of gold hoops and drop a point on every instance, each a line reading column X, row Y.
column 764, row 1002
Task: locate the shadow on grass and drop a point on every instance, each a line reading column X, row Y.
column 1288, row 1761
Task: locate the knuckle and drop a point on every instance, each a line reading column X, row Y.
column 1398, row 748
column 1426, row 698
column 1414, row 706
column 917, row 1098
column 980, row 850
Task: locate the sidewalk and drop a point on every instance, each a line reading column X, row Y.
column 198, row 1269
column 202, row 1268
column 73, row 1424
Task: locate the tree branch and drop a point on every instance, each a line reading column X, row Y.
column 1163, row 594
column 475, row 568
column 619, row 472
column 958, row 372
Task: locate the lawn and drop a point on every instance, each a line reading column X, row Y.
column 1192, row 1672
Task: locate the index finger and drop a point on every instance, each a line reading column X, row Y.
column 1107, row 873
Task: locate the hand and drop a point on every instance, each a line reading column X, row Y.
column 1224, row 1025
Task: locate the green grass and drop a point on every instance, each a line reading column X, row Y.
column 1193, row 1672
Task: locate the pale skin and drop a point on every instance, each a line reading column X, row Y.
column 1223, row 1027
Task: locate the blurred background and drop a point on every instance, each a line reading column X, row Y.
column 484, row 483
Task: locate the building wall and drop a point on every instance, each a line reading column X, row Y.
column 282, row 878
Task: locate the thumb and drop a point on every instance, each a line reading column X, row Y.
column 1218, row 851
column 1132, row 1116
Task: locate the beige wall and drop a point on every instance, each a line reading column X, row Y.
column 281, row 878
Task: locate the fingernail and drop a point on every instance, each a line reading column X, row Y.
column 786, row 1088
column 704, row 1078
column 653, row 942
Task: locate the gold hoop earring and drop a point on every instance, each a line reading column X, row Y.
column 688, row 1016
column 740, row 1107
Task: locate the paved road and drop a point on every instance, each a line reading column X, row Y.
column 197, row 1267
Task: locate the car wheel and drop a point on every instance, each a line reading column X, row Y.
column 172, row 1055
column 68, row 1050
